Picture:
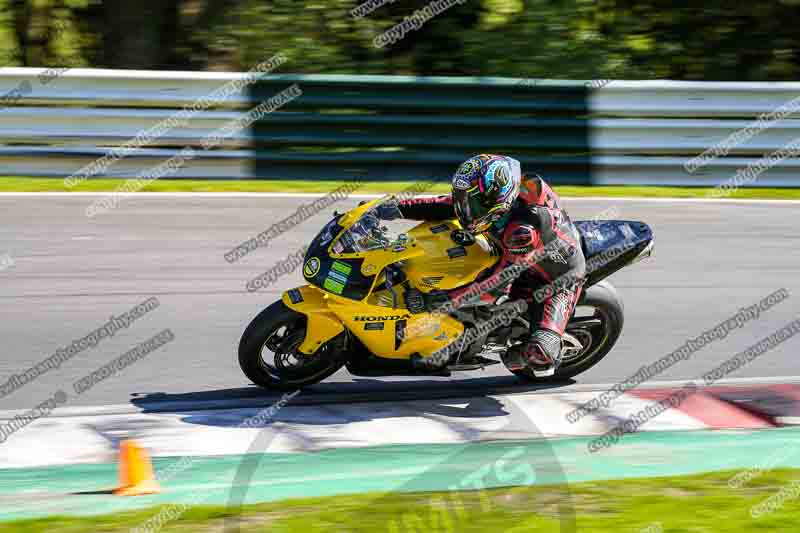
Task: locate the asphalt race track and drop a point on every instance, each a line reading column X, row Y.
column 70, row 274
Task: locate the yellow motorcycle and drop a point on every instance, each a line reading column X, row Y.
column 365, row 305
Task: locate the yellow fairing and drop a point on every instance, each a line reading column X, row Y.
column 394, row 333
column 443, row 264
column 430, row 260
column 385, row 331
column 323, row 325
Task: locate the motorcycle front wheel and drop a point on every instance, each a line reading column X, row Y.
column 269, row 356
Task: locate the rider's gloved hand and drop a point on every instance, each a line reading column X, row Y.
column 437, row 301
column 388, row 211
column 420, row 302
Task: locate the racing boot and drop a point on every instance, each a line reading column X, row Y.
column 542, row 353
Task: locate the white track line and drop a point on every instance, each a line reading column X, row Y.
column 300, row 428
column 722, row 201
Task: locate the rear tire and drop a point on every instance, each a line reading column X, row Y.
column 282, row 330
column 609, row 310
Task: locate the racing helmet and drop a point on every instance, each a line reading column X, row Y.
column 484, row 190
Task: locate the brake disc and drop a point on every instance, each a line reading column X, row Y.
column 572, row 347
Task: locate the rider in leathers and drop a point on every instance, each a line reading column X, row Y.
column 523, row 217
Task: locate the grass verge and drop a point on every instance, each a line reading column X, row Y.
column 20, row 184
column 698, row 504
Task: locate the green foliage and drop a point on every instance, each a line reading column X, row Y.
column 563, row 39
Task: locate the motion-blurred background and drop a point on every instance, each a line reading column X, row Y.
column 386, row 109
column 573, row 39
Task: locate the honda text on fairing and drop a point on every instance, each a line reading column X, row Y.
column 360, row 309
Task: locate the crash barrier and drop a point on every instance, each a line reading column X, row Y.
column 396, row 128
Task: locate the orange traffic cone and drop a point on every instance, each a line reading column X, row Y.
column 135, row 471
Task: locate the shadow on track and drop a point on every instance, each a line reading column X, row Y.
column 360, row 390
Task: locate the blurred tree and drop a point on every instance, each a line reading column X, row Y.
column 576, row 39
column 155, row 34
column 32, row 31
column 718, row 40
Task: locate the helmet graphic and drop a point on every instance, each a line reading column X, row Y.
column 484, row 189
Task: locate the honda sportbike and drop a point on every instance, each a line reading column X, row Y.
column 365, row 305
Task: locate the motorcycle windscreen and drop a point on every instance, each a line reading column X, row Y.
column 342, row 277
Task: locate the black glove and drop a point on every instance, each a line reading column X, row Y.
column 388, row 211
column 437, row 301
column 420, row 302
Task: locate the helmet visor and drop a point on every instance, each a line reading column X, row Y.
column 472, row 208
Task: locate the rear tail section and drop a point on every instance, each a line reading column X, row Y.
column 610, row 245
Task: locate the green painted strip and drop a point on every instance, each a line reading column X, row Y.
column 333, row 286
column 406, row 468
column 32, row 184
column 342, row 267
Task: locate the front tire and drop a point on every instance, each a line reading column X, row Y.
column 598, row 333
column 281, row 330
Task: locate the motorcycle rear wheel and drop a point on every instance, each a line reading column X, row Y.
column 597, row 333
column 281, row 330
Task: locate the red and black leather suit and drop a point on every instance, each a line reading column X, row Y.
column 538, row 233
